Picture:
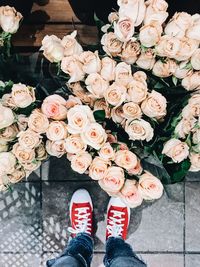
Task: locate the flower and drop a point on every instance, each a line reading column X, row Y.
column 71, row 46
column 9, row 19
column 182, row 71
column 146, row 60
column 98, row 168
column 7, row 163
column 139, row 130
column 137, row 91
column 16, row 176
column 187, row 48
column 74, row 144
column 9, row 133
column 7, row 101
column 155, row 105
column 96, row 85
column 40, row 152
column 29, row 139
column 53, row 49
column 195, row 59
column 79, row 117
column 56, row 148
column 22, row 154
column 22, row 95
column 130, row 194
column 57, row 130
column 106, row 152
column 73, row 67
column 176, row 150
column 195, row 162
column 124, row 28
column 117, row 114
column 38, row 122
column 131, row 110
column 94, row 135
column 126, row 159
column 150, row 187
column 30, row 167
column 193, row 107
column 81, row 93
column 113, row 16
column 156, row 11
column 150, row 34
column 115, row 95
column 22, row 122
column 130, row 51
column 108, row 69
column 184, row 127
column 3, row 146
column 54, row 107
column 6, row 117
column 193, row 31
column 101, row 104
column 111, row 45
column 123, row 73
column 164, row 69
column 192, row 81
column 81, row 162
column 91, row 62
column 113, row 180
column 72, row 101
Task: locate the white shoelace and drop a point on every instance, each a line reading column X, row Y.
column 82, row 222
column 115, row 225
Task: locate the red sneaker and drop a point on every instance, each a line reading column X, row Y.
column 118, row 217
column 81, row 211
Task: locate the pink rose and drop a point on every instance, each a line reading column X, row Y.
column 81, row 162
column 98, row 168
column 124, row 29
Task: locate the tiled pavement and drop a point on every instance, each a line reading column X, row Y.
column 34, row 219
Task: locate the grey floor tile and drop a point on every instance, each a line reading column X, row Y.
column 20, row 219
column 159, row 226
column 56, row 199
column 20, row 260
column 163, row 260
column 192, row 216
column 193, row 177
column 192, row 260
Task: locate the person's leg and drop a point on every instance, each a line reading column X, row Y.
column 79, row 251
column 118, row 252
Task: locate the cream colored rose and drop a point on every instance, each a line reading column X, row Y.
column 72, row 101
column 196, row 136
column 155, row 105
column 71, row 46
column 7, row 163
column 187, row 48
column 22, row 122
column 56, row 148
column 22, row 95
column 53, row 49
column 131, row 110
column 150, row 187
column 79, row 117
column 6, row 117
column 81, row 162
column 168, row 46
column 192, row 81
column 9, row 19
column 4, row 183
column 57, row 130
column 38, row 122
column 29, row 139
column 94, row 135
column 101, row 104
column 178, row 25
column 139, row 130
column 184, row 127
column 146, row 60
column 130, row 52
column 136, row 170
column 111, row 45
column 91, row 62
column 96, row 85
column 9, row 133
column 40, row 152
column 130, row 194
column 73, row 67
column 164, row 69
column 176, row 150
column 134, row 9
column 123, row 73
column 117, row 114
column 16, row 176
column 113, row 180
column 150, row 34
column 30, row 167
column 3, row 146
column 106, row 152
column 54, row 107
column 108, row 69
column 82, row 94
column 195, row 162
column 124, row 28
column 115, row 95
column 193, row 32
column 126, row 159
column 113, row 16
column 156, row 11
column 7, row 101
column 140, row 76
column 195, row 59
column 137, row 91
column 98, row 168
column 182, row 71
column 74, row 144
column 193, row 107
column 23, row 155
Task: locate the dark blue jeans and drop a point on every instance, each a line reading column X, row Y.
column 80, row 250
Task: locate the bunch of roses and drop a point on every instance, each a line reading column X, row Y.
column 137, row 34
column 9, row 19
column 186, row 141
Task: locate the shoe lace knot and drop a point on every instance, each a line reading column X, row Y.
column 116, row 223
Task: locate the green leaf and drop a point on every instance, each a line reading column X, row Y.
column 178, row 171
column 175, row 80
column 99, row 115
